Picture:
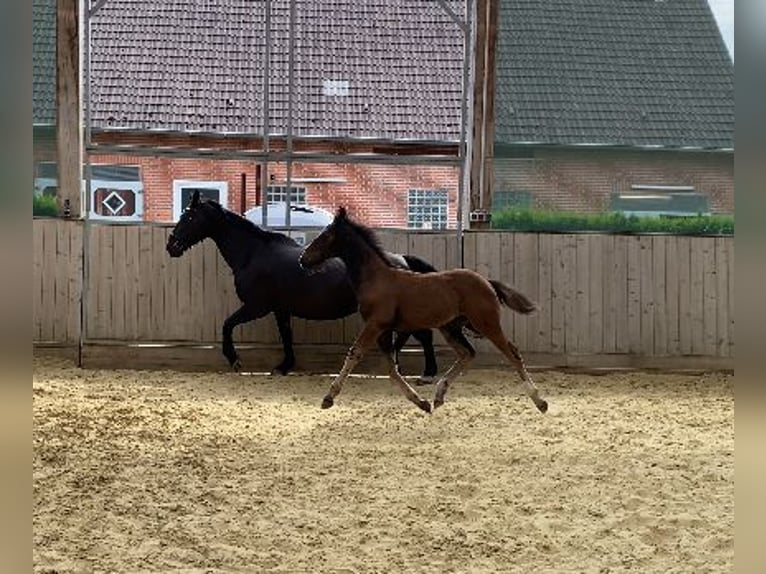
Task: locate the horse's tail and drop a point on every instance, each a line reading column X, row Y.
column 513, row 299
column 418, row 265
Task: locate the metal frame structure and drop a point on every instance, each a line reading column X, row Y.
column 467, row 25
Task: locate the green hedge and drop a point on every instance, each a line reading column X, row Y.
column 551, row 221
column 44, row 206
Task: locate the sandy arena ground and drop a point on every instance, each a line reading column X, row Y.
column 217, row 472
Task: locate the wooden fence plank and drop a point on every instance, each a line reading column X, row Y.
column 132, row 280
column 634, row 295
column 569, row 288
column 710, row 296
column 527, row 281
column 646, row 281
column 38, row 279
column 74, row 291
column 558, row 302
column 672, row 293
column 144, row 291
column 619, row 286
column 730, row 273
column 722, row 269
column 596, row 244
column 683, row 270
column 697, row 297
column 118, row 285
column 659, row 295
column 582, row 287
column 609, row 295
column 544, row 290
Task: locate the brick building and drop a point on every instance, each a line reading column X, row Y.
column 594, row 99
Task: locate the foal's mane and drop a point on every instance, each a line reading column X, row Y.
column 236, row 220
column 367, row 235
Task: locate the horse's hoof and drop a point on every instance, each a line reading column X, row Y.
column 425, row 405
column 236, row 365
column 327, row 402
column 279, row 370
column 543, row 406
column 437, row 403
column 422, row 381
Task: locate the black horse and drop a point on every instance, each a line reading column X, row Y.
column 269, row 279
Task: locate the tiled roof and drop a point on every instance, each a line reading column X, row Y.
column 44, row 62
column 198, row 65
column 616, row 72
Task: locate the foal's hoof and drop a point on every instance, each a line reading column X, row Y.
column 438, row 403
column 236, row 365
column 327, row 402
column 542, row 406
column 425, row 405
column 422, row 381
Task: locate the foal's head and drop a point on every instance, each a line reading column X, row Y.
column 341, row 238
column 198, row 221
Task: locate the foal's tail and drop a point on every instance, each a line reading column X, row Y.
column 513, row 299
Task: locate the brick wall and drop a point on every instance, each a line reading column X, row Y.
column 582, row 180
column 375, row 193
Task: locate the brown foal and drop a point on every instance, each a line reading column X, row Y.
column 393, row 299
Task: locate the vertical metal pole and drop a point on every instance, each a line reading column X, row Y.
column 466, row 124
column 266, row 112
column 85, row 15
column 290, row 85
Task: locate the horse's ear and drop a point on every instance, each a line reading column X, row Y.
column 341, row 213
column 195, row 198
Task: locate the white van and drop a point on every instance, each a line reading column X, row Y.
column 304, row 216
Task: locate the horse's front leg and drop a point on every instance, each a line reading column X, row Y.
column 364, row 341
column 286, row 335
column 241, row 315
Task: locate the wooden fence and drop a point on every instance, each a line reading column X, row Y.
column 605, row 300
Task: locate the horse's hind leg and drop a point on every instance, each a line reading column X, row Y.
column 512, row 354
column 426, row 339
column 241, row 315
column 286, row 335
column 389, row 349
column 465, row 354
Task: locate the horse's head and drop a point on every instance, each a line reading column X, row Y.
column 198, row 221
column 328, row 243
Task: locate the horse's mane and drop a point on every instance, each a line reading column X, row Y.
column 367, row 235
column 236, row 220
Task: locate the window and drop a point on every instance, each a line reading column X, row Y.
column 661, row 200
column 278, row 194
column 427, row 209
column 46, row 179
column 515, row 199
column 184, row 189
column 116, row 190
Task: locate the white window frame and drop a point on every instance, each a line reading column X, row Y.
column 298, row 191
column 180, row 184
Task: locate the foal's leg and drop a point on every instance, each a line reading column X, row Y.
column 286, row 335
column 364, row 341
column 388, row 348
column 465, row 353
column 241, row 315
column 507, row 348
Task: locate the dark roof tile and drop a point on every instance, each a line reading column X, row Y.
column 618, row 72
